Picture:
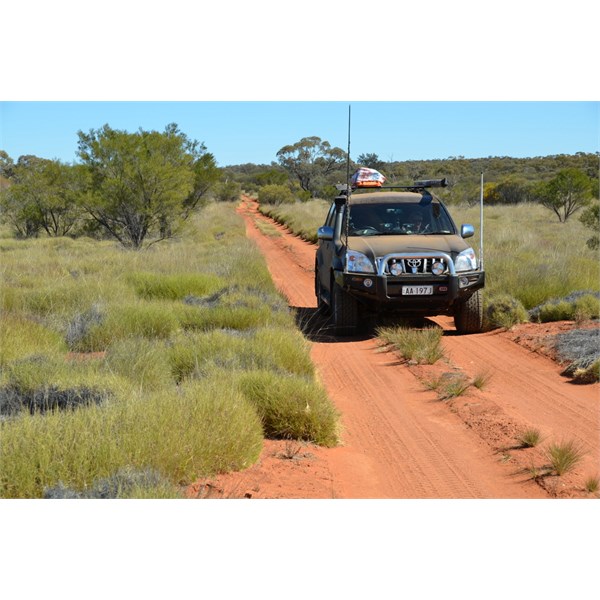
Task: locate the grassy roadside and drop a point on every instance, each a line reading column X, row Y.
column 137, row 372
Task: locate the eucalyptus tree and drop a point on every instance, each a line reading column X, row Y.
column 312, row 161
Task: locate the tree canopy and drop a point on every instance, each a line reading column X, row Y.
column 311, row 160
column 144, row 184
column 566, row 193
column 43, row 194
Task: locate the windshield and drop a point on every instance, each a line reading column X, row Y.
column 399, row 219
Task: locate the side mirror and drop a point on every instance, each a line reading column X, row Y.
column 325, row 233
column 467, row 230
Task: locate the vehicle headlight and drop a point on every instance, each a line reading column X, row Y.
column 466, row 260
column 359, row 263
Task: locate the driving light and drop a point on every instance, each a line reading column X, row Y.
column 359, row 263
column 438, row 267
column 396, row 269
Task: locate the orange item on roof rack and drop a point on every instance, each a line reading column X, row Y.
column 365, row 177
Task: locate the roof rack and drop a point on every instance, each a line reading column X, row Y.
column 415, row 187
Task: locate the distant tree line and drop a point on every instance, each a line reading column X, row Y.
column 140, row 187
column 565, row 184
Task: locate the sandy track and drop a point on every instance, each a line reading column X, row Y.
column 398, row 439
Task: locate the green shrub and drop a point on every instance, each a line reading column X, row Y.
column 200, row 429
column 149, row 320
column 143, row 362
column 586, row 307
column 197, row 430
column 21, row 337
column 503, row 310
column 564, row 456
column 577, row 306
column 449, row 385
column 197, row 354
column 422, row 346
column 275, row 194
column 152, row 286
column 529, row 438
column 560, row 311
column 38, row 372
column 291, row 407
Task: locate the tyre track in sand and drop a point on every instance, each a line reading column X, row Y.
column 530, row 388
column 398, row 441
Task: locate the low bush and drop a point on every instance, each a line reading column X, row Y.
column 197, row 354
column 275, row 194
column 153, row 286
column 422, row 346
column 529, row 438
column 143, row 362
column 577, row 306
column 228, row 317
column 21, row 337
column 505, row 311
column 449, row 385
column 14, row 399
column 564, row 456
column 152, row 320
column 291, row 407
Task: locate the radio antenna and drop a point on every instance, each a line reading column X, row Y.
column 348, row 155
column 481, row 223
column 348, row 187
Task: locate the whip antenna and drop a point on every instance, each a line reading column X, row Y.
column 481, row 223
column 348, row 155
column 347, row 216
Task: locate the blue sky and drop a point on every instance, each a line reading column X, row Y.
column 252, row 132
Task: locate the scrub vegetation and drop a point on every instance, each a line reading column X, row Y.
column 130, row 373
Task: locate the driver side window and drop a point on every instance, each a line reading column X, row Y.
column 364, row 218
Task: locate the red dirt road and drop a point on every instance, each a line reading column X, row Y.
column 398, row 439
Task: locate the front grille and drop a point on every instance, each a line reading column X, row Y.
column 412, row 266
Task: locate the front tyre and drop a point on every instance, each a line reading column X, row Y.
column 322, row 306
column 468, row 317
column 344, row 311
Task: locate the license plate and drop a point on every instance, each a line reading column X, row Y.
column 417, row 290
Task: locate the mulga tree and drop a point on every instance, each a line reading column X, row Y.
column 143, row 185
